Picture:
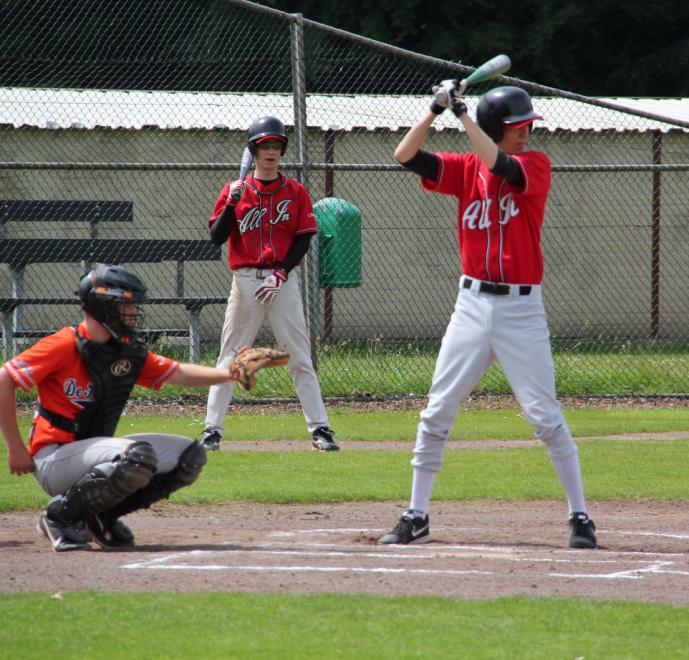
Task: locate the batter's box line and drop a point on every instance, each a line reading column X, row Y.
column 495, row 549
column 659, row 534
column 377, row 530
column 426, row 552
column 633, row 574
column 303, row 569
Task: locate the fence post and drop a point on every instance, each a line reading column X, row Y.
column 329, row 192
column 655, row 237
column 309, row 282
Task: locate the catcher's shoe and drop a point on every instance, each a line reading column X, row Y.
column 63, row 537
column 408, row 531
column 210, row 439
column 323, row 439
column 583, row 534
column 109, row 533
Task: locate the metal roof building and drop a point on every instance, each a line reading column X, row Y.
column 65, row 108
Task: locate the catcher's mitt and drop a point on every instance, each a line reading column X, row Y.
column 250, row 360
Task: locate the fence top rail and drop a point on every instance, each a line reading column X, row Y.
column 290, row 166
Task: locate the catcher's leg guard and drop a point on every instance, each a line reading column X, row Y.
column 185, row 473
column 106, row 485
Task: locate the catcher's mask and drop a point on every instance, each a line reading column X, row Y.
column 504, row 106
column 266, row 128
column 104, row 290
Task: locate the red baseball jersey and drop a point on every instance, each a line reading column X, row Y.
column 55, row 367
column 269, row 217
column 498, row 224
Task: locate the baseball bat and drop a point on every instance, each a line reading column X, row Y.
column 245, row 166
column 493, row 68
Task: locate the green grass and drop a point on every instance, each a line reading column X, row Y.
column 225, row 625
column 616, row 469
column 220, row 625
column 621, row 470
column 351, row 425
column 398, row 368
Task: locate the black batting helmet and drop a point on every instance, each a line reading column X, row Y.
column 266, row 128
column 103, row 289
column 504, row 106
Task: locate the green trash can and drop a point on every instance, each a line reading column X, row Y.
column 339, row 250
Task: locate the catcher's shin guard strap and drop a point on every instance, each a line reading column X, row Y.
column 187, row 470
column 106, row 485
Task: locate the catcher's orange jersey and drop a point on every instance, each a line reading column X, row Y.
column 55, row 367
column 498, row 224
column 268, row 219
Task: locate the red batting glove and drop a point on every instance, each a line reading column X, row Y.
column 271, row 285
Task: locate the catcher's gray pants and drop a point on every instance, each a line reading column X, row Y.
column 243, row 318
column 59, row 467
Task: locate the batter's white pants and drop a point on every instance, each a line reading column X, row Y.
column 243, row 318
column 513, row 330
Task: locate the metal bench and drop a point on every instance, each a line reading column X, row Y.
column 20, row 252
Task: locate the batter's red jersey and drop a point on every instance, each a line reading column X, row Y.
column 498, row 224
column 54, row 366
column 269, row 217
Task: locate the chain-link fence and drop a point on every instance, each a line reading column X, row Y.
column 120, row 122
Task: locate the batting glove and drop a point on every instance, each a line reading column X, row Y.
column 237, row 189
column 457, row 104
column 442, row 95
column 271, row 285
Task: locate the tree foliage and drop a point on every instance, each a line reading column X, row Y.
column 606, row 48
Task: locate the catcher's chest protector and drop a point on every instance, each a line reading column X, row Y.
column 114, row 369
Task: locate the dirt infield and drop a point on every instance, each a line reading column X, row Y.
column 478, row 550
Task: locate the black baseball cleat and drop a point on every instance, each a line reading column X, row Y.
column 583, row 533
column 63, row 537
column 109, row 533
column 323, row 439
column 408, row 531
column 210, row 439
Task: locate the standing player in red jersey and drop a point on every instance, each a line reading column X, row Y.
column 84, row 375
column 501, row 189
column 268, row 230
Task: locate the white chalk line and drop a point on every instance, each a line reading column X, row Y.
column 633, row 574
column 356, row 530
column 509, row 551
column 181, row 561
column 662, row 535
column 308, row 569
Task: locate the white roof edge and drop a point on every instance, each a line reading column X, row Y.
column 72, row 108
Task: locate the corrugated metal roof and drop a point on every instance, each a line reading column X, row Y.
column 64, row 108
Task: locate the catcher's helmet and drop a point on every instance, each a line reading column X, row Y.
column 504, row 106
column 266, row 128
column 103, row 289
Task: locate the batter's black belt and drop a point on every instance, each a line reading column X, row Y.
column 497, row 289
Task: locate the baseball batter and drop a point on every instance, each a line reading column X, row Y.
column 268, row 230
column 84, row 375
column 501, row 190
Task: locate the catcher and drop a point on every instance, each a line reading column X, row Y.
column 84, row 375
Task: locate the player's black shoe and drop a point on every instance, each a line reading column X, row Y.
column 583, row 531
column 408, row 531
column 109, row 533
column 323, row 439
column 63, row 537
column 211, row 439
